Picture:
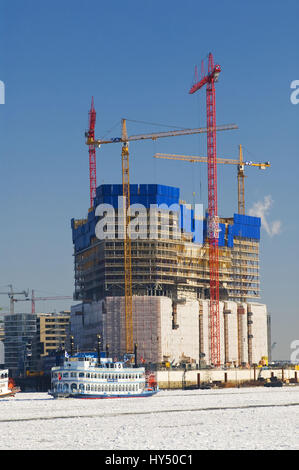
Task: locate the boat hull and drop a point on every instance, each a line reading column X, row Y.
column 8, row 394
column 85, row 396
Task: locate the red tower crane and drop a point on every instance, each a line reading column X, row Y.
column 209, row 79
column 92, row 153
column 33, row 299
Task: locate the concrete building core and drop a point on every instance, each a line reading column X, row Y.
column 243, row 330
column 170, row 279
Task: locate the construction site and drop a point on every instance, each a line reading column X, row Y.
column 179, row 283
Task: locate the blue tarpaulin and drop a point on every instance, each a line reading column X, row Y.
column 147, row 194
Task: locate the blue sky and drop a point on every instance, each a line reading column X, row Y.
column 137, row 59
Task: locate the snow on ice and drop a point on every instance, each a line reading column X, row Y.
column 248, row 418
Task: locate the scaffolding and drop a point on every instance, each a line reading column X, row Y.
column 165, row 265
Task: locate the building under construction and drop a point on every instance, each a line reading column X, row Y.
column 170, row 279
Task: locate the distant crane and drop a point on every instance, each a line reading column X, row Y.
column 241, row 164
column 209, row 79
column 33, row 299
column 11, row 294
column 125, row 139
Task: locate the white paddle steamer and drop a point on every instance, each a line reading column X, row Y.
column 84, row 375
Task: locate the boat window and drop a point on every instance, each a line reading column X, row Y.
column 74, row 387
column 81, row 387
column 88, row 375
column 88, row 387
column 73, row 374
column 81, row 374
column 65, row 387
column 65, row 374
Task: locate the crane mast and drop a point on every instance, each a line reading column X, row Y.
column 213, row 230
column 127, row 240
column 92, row 154
column 241, row 183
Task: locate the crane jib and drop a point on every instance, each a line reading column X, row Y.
column 160, row 135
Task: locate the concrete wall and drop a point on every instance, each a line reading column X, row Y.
column 85, row 324
column 174, row 332
column 2, row 354
column 183, row 341
column 258, row 330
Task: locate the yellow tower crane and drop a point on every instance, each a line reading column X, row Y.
column 125, row 139
column 241, row 169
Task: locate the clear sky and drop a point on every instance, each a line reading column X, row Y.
column 137, row 59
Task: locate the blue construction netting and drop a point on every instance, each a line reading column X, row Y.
column 148, row 194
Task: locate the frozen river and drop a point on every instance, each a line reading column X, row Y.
column 248, row 418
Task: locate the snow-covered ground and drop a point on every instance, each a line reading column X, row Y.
column 249, row 418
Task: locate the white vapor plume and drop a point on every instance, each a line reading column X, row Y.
column 261, row 209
